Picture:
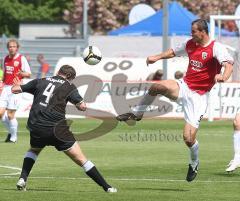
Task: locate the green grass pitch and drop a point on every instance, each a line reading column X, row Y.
column 147, row 162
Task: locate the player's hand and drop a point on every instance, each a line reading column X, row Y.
column 19, row 73
column 81, row 106
column 16, row 81
column 219, row 78
column 16, row 86
column 151, row 60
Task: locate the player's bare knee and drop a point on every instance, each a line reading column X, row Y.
column 1, row 114
column 156, row 89
column 188, row 141
column 11, row 115
column 236, row 124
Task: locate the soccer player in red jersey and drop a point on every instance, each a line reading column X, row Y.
column 15, row 65
column 206, row 59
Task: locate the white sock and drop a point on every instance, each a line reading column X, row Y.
column 31, row 155
column 142, row 106
column 13, row 126
column 194, row 154
column 88, row 165
column 236, row 143
column 5, row 121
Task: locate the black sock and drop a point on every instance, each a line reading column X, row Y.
column 97, row 177
column 26, row 168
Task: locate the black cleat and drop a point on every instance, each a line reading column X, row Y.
column 8, row 138
column 192, row 173
column 128, row 116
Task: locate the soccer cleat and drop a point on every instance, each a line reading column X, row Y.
column 8, row 137
column 230, row 163
column 192, row 173
column 111, row 190
column 128, row 116
column 21, row 185
column 233, row 165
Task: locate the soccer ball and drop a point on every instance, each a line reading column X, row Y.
column 92, row 55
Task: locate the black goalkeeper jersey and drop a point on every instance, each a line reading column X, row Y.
column 51, row 96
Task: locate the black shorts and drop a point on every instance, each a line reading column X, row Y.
column 39, row 138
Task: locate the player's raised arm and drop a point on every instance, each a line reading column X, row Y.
column 164, row 55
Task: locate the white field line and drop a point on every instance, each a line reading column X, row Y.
column 11, row 168
column 128, row 179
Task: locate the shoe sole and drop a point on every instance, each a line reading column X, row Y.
column 232, row 170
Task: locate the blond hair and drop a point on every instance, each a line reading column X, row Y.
column 13, row 40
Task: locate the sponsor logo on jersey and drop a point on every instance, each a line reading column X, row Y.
column 204, row 55
column 9, row 68
column 196, row 63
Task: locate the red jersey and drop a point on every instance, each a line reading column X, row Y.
column 204, row 63
column 202, row 67
column 11, row 67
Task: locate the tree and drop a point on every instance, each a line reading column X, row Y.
column 12, row 12
column 103, row 15
column 106, row 15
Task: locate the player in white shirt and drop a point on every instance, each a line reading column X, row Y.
column 235, row 162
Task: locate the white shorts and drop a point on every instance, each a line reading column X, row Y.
column 9, row 100
column 194, row 104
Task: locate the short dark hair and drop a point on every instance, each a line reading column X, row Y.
column 67, row 71
column 201, row 24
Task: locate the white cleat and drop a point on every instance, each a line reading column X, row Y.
column 233, row 165
column 230, row 163
column 21, row 185
column 111, row 190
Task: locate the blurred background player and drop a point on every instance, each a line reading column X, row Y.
column 206, row 59
column 1, row 75
column 48, row 126
column 15, row 65
column 235, row 162
column 44, row 66
column 155, row 76
column 178, row 75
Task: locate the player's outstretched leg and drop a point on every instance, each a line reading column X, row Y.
column 79, row 158
column 167, row 88
column 138, row 112
column 128, row 116
column 28, row 162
